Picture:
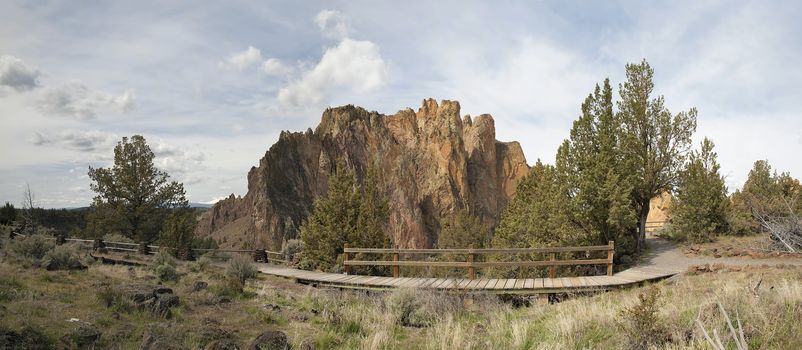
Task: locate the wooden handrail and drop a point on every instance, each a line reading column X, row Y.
column 471, row 264
column 477, row 251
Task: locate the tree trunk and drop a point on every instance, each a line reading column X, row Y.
column 643, row 214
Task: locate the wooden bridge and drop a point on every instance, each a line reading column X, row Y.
column 471, row 283
column 474, row 259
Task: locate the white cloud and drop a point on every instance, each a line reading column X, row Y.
column 332, row 24
column 176, row 160
column 74, row 99
column 243, row 59
column 77, row 140
column 352, row 65
column 17, row 75
column 275, row 67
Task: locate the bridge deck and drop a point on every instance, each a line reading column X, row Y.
column 624, row 278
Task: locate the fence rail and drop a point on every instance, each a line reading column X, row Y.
column 471, row 264
column 257, row 254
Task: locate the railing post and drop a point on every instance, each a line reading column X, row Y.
column 610, row 253
column 552, row 268
column 346, row 268
column 471, row 268
column 396, row 268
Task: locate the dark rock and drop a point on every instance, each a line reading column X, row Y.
column 199, row 286
column 82, row 337
column 162, row 290
column 272, row 307
column 162, row 303
column 270, row 340
column 52, row 265
column 26, row 338
column 155, row 341
column 222, row 300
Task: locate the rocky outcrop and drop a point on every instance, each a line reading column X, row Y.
column 432, row 162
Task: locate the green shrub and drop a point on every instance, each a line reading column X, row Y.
column 412, row 308
column 10, row 288
column 32, row 247
column 200, row 265
column 240, row 268
column 116, row 237
column 166, row 272
column 162, row 258
column 641, row 323
column 63, row 257
column 114, row 299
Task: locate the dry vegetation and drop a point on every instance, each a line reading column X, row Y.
column 44, row 301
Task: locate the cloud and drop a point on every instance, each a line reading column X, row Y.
column 74, row 99
column 274, row 67
column 243, row 59
column 176, row 160
column 352, row 65
column 332, row 24
column 17, row 75
column 77, row 140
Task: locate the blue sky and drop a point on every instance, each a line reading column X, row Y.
column 212, row 84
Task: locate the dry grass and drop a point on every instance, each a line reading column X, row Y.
column 44, row 300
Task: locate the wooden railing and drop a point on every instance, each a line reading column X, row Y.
column 257, row 254
column 471, row 264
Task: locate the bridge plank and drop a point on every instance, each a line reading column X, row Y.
column 510, row 283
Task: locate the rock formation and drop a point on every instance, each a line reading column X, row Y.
column 431, row 163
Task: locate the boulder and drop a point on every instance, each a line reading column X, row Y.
column 82, row 337
column 199, row 286
column 222, row 344
column 270, row 340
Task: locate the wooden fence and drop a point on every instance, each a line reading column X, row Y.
column 471, row 264
column 145, row 249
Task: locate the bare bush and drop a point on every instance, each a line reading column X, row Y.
column 785, row 230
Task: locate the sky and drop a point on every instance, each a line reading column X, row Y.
column 211, row 85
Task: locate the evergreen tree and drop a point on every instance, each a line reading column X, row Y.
column 133, row 196
column 345, row 215
column 591, row 161
column 699, row 212
column 8, row 214
column 463, row 230
column 655, row 143
column 765, row 193
column 178, row 233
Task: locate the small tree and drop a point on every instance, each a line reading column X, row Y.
column 8, row 214
column 700, row 210
column 345, row 214
column 463, row 230
column 333, row 220
column 655, row 142
column 29, row 219
column 178, row 233
column 133, row 195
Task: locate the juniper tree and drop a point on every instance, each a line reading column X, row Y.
column 463, row 230
column 654, row 142
column 592, row 162
column 345, row 214
column 699, row 212
column 133, row 196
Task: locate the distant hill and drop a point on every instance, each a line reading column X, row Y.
column 200, row 205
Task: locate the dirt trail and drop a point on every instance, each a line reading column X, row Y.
column 665, row 254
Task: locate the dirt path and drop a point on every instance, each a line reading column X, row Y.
column 665, row 254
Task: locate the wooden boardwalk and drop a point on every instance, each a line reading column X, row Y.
column 629, row 277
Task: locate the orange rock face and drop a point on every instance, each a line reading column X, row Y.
column 432, row 163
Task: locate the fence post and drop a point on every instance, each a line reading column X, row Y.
column 552, row 268
column 471, row 268
column 396, row 268
column 610, row 253
column 143, row 248
column 345, row 259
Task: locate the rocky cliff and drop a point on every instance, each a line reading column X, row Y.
column 432, row 163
